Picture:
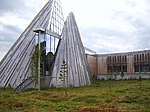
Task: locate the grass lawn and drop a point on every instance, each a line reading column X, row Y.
column 101, row 96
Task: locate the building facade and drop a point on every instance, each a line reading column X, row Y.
column 128, row 63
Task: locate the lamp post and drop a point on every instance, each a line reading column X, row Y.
column 43, row 31
column 39, row 31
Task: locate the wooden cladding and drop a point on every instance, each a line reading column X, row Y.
column 92, row 61
column 71, row 51
column 102, row 65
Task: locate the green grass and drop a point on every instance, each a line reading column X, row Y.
column 122, row 96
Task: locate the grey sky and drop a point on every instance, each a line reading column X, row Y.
column 106, row 26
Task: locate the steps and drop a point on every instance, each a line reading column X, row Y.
column 22, row 86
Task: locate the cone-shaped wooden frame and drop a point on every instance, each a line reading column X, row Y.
column 71, row 51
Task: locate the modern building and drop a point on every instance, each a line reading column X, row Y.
column 49, row 53
column 128, row 63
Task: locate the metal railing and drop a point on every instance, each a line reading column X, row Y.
column 22, row 86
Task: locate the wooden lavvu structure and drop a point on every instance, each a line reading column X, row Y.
column 54, row 46
column 71, row 51
column 14, row 67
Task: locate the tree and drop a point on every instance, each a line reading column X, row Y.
column 34, row 62
column 115, row 75
column 64, row 76
column 140, row 79
column 34, row 65
column 110, row 78
column 122, row 75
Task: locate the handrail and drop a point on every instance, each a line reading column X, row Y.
column 24, row 84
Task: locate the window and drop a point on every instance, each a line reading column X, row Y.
column 140, row 58
column 146, row 57
column 143, row 58
column 134, row 58
column 125, row 59
column 137, row 58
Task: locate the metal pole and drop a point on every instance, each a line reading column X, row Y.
column 39, row 55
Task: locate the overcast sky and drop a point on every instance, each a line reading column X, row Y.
column 106, row 26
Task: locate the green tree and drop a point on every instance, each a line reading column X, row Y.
column 34, row 65
column 115, row 75
column 34, row 61
column 110, row 78
column 64, row 76
column 140, row 79
column 122, row 75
